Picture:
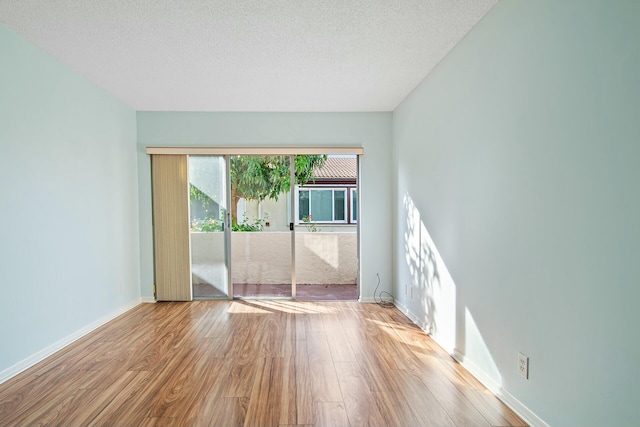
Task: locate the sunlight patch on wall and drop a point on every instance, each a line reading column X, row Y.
column 436, row 290
column 476, row 349
column 434, row 300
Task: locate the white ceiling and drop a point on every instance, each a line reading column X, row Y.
column 248, row 55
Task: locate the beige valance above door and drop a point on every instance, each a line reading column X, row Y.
column 254, row 151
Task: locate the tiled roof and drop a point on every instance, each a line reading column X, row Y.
column 338, row 167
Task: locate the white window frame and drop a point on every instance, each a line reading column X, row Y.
column 352, row 190
column 333, row 201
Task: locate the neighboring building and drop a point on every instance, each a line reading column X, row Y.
column 332, row 198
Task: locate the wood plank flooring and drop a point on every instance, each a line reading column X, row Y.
column 252, row 363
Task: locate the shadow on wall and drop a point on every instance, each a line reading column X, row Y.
column 436, row 302
column 421, row 264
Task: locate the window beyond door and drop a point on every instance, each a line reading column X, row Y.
column 322, row 205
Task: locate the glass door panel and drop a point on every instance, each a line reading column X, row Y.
column 261, row 255
column 326, row 235
column 208, row 210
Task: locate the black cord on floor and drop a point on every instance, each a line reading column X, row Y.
column 386, row 299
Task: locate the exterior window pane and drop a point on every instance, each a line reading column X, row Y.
column 354, row 205
column 339, row 199
column 321, row 205
column 303, row 204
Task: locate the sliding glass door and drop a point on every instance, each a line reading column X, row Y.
column 260, row 225
column 208, row 215
column 261, row 238
column 326, row 223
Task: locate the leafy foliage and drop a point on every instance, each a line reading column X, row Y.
column 206, row 225
column 197, row 194
column 266, row 177
column 310, row 226
column 201, row 204
column 210, row 225
column 246, row 226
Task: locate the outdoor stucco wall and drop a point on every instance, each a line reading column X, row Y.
column 321, row 258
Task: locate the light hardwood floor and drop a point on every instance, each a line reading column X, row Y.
column 252, row 363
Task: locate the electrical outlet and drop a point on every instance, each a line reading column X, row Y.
column 406, row 288
column 121, row 286
column 523, row 365
column 412, row 292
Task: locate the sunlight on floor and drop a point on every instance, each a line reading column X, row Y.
column 236, row 307
column 267, row 306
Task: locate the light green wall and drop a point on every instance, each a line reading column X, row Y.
column 369, row 130
column 520, row 156
column 69, row 205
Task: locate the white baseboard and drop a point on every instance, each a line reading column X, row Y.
column 507, row 398
column 525, row 413
column 474, row 370
column 417, row 321
column 367, row 299
column 148, row 299
column 60, row 344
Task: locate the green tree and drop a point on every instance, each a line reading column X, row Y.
column 266, row 177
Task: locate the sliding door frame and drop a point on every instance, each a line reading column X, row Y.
column 227, row 226
column 227, row 152
column 292, row 220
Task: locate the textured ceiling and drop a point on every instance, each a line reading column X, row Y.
column 248, row 55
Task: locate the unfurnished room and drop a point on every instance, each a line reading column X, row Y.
column 319, row 213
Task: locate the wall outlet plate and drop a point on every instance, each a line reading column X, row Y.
column 523, row 365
